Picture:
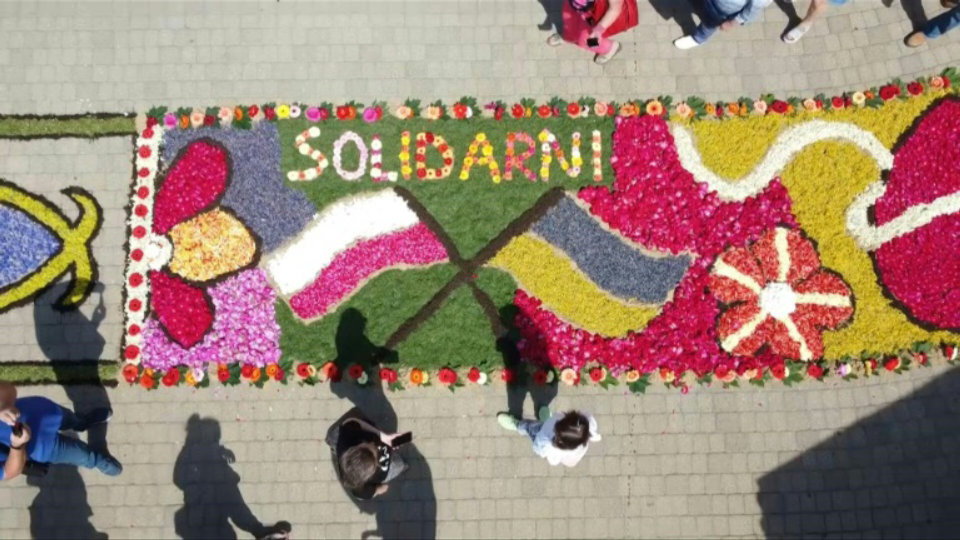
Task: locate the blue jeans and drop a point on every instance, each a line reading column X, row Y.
column 710, row 20
column 943, row 23
column 70, row 451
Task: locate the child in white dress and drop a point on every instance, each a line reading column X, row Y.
column 562, row 438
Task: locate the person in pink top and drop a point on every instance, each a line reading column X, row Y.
column 589, row 24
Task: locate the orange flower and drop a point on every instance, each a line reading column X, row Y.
column 184, row 121
column 710, row 108
column 146, row 381
column 417, row 377
column 654, row 108
column 733, row 108
column 743, row 109
column 272, row 370
column 869, row 94
column 629, row 109
column 255, row 376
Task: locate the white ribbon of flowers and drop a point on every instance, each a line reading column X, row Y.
column 376, row 162
column 870, row 237
column 350, row 176
column 787, row 145
column 149, row 138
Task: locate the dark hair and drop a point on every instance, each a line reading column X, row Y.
column 571, row 431
column 358, row 464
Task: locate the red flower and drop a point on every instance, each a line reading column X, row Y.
column 459, row 110
column 388, row 375
column 871, row 364
column 837, row 102
column 778, row 370
column 473, row 375
column 279, row 375
column 131, row 372
column 343, row 112
column 355, row 371
column 892, row 364
column 498, row 113
column 323, row 113
column 920, row 358
column 447, row 376
column 172, row 377
column 544, row 111
column 151, row 121
column 269, row 113
column 303, row 370
column 540, row 376
column 208, row 120
column 779, row 106
column 597, row 374
column 246, row 371
column 518, row 111
column 223, row 375
column 507, row 375
column 721, row 371
column 253, row 110
column 915, row 88
column 948, row 350
column 815, row 371
column 573, row 109
column 147, row 381
column 777, row 295
column 946, row 82
column 889, row 92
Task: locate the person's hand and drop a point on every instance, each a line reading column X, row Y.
column 22, row 439
column 597, row 32
column 728, row 25
column 227, row 455
column 9, row 416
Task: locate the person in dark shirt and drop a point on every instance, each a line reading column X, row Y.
column 365, row 457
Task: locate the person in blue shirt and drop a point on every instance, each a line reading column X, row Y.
column 39, row 422
column 722, row 14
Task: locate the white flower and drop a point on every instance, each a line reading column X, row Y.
column 363, row 378
column 482, row 379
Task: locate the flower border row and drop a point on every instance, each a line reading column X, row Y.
column 311, row 373
column 693, row 108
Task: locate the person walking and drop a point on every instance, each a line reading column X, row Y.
column 366, row 459
column 561, row 439
column 722, row 14
column 937, row 26
column 30, row 427
column 589, row 24
column 816, row 9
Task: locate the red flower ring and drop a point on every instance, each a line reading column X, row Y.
column 779, row 296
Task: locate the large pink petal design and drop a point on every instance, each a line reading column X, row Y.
column 184, row 311
column 194, row 182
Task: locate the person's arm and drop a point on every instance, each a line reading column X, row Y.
column 8, row 394
column 17, row 458
column 613, row 13
column 751, row 11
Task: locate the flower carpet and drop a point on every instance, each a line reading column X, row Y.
column 593, row 242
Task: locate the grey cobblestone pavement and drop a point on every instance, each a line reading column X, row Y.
column 870, row 457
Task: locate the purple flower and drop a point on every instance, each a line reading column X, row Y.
column 170, row 120
column 313, row 114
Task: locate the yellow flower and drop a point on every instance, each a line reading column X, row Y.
column 405, row 156
column 468, row 161
column 283, row 111
column 487, row 150
column 481, row 137
column 190, row 379
column 406, row 171
column 631, row 376
column 464, row 175
column 577, row 161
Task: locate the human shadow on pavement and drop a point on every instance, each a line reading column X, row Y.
column 540, row 394
column 409, row 507
column 73, row 344
column 895, row 473
column 211, row 488
column 553, row 16
column 681, row 11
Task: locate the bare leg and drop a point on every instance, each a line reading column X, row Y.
column 815, row 11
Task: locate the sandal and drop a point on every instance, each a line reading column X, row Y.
column 795, row 33
column 604, row 58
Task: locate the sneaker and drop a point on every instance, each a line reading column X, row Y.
column 604, row 58
column 795, row 33
column 109, row 466
column 543, row 413
column 684, row 43
column 101, row 415
column 915, row 39
column 555, row 40
column 508, row 421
